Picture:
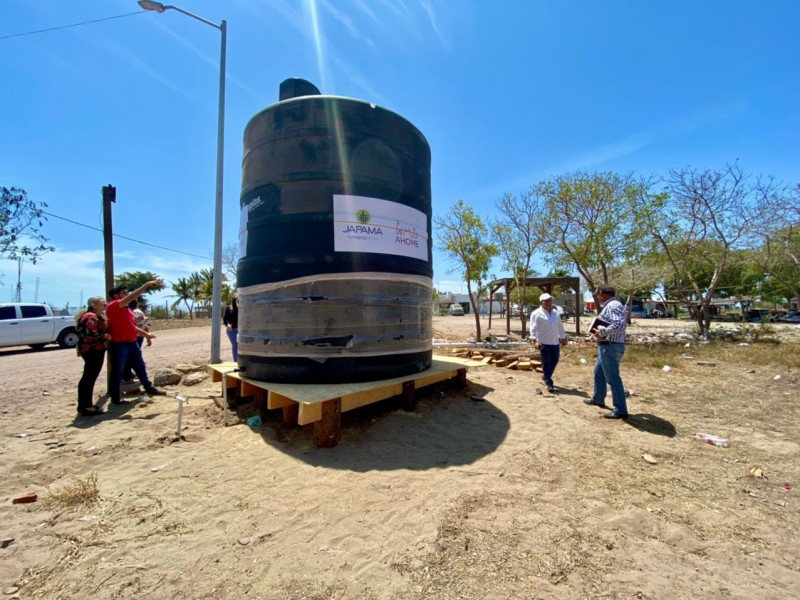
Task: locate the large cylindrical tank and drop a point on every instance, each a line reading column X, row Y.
column 335, row 270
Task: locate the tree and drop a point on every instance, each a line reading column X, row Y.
column 137, row 279
column 463, row 236
column 186, row 292
column 21, row 221
column 778, row 255
column 587, row 222
column 230, row 263
column 514, row 231
column 705, row 217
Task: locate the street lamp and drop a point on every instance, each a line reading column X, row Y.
column 216, row 298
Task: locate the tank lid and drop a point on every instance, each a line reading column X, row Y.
column 294, row 87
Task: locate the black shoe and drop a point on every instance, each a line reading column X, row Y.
column 613, row 415
column 551, row 389
column 151, row 391
column 118, row 401
column 591, row 402
column 90, row 412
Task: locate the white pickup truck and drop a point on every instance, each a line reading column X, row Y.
column 34, row 325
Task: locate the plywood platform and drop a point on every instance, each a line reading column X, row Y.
column 322, row 405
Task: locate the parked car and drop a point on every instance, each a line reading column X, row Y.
column 34, row 325
column 564, row 312
column 759, row 315
column 790, row 317
column 456, row 310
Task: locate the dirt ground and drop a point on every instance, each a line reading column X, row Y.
column 499, row 490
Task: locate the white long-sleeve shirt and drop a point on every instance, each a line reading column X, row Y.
column 546, row 327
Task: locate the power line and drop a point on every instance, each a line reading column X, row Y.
column 14, row 35
column 116, row 235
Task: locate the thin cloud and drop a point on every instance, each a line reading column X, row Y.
column 677, row 127
column 213, row 62
column 429, row 12
column 70, row 276
column 342, row 18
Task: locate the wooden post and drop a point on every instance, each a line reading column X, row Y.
column 259, row 401
column 328, row 430
column 462, row 377
column 409, row 402
column 290, row 414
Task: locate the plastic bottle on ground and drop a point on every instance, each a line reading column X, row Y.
column 714, row 440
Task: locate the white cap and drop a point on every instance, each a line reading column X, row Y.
column 544, row 297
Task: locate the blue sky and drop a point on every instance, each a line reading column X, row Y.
column 507, row 92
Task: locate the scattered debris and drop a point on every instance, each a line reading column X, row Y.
column 713, row 440
column 756, row 472
column 705, row 363
column 6, row 542
column 244, row 541
column 158, row 468
column 666, row 369
column 777, row 378
column 254, row 421
column 649, row 459
column 26, row 499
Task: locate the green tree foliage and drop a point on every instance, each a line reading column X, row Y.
column 705, row 217
column 136, row 279
column 186, row 290
column 21, row 222
column 587, row 222
column 464, row 237
column 778, row 254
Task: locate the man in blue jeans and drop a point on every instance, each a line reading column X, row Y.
column 123, row 346
column 610, row 340
column 548, row 331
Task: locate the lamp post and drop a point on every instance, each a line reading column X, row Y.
column 216, row 298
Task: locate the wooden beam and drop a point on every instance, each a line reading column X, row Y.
column 309, row 413
column 277, row 400
column 328, row 430
column 359, row 399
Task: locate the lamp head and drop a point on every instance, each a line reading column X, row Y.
column 156, row 6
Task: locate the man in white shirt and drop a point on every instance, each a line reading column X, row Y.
column 548, row 332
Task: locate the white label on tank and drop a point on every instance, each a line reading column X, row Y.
column 243, row 230
column 363, row 224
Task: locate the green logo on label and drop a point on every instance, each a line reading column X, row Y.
column 363, row 216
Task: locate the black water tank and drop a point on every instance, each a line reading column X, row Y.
column 335, row 270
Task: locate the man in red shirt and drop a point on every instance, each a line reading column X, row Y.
column 123, row 346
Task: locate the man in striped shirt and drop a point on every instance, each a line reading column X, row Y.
column 610, row 349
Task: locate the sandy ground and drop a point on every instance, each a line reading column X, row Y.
column 521, row 495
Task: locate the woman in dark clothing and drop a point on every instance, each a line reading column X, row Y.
column 231, row 320
column 91, row 327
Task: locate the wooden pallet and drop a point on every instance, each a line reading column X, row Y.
column 322, row 405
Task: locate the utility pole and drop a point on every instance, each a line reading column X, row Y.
column 109, row 196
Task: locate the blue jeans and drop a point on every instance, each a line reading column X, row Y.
column 127, row 373
column 234, row 344
column 119, row 353
column 606, row 372
column 551, row 353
